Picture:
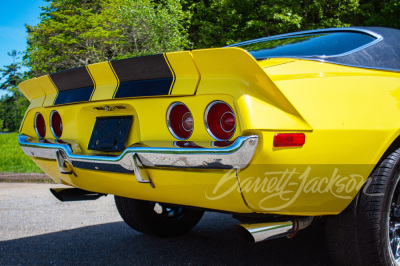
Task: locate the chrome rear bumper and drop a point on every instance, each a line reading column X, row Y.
column 132, row 159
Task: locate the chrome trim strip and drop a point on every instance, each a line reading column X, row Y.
column 235, row 156
column 377, row 37
column 293, row 34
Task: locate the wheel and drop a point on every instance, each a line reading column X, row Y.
column 367, row 232
column 157, row 219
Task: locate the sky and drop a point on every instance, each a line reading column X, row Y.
column 14, row 14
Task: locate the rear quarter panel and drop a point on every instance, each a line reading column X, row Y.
column 354, row 115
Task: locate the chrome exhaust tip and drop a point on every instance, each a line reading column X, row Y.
column 258, row 232
column 263, row 231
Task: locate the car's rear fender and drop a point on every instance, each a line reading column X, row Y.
column 355, row 117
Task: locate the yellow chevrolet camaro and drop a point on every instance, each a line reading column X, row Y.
column 276, row 131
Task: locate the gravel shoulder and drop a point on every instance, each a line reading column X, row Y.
column 24, row 178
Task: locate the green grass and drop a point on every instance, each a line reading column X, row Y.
column 12, row 158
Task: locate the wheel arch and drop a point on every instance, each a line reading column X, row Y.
column 395, row 144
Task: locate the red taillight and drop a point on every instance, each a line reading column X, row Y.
column 180, row 121
column 40, row 125
column 220, row 120
column 289, row 140
column 56, row 124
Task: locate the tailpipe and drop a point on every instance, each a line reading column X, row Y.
column 258, row 232
column 74, row 194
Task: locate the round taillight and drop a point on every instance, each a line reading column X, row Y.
column 220, row 120
column 56, row 124
column 40, row 125
column 180, row 121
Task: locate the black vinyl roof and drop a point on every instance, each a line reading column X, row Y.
column 383, row 53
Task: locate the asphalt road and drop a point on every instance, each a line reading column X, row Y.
column 35, row 228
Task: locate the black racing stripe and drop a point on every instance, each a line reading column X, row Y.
column 142, row 68
column 72, row 96
column 73, row 85
column 152, row 87
column 140, row 76
column 72, row 79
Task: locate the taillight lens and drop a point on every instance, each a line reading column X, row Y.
column 56, row 124
column 220, row 120
column 180, row 121
column 40, row 125
column 289, row 140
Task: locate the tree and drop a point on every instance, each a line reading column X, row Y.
column 74, row 33
column 13, row 105
column 11, row 73
column 385, row 13
column 68, row 35
column 147, row 27
column 221, row 22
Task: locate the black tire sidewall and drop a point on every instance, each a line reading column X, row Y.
column 381, row 188
column 386, row 206
column 360, row 234
column 141, row 216
column 167, row 227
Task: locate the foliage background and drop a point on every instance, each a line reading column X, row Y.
column 74, row 33
column 12, row 158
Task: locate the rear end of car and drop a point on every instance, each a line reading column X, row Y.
column 211, row 128
column 139, row 128
column 214, row 128
column 286, row 131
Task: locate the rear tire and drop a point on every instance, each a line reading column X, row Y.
column 367, row 232
column 157, row 219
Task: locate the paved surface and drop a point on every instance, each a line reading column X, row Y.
column 37, row 229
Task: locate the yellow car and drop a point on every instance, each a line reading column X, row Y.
column 276, row 131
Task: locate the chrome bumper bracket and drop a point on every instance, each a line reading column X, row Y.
column 62, row 167
column 137, row 171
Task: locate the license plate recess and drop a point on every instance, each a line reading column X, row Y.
column 110, row 133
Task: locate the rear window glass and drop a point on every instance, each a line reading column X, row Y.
column 309, row 45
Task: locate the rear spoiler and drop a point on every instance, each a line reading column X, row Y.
column 230, row 70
